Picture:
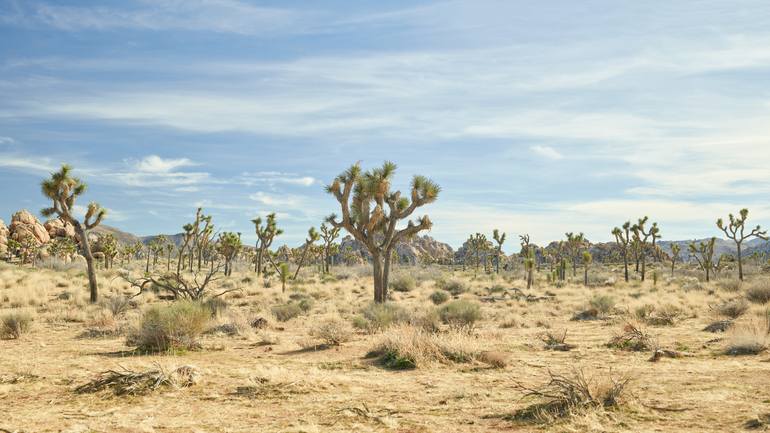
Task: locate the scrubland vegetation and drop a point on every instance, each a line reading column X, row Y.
column 209, row 335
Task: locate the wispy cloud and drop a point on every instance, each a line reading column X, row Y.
column 547, row 152
column 156, row 164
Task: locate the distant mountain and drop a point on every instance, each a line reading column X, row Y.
column 128, row 238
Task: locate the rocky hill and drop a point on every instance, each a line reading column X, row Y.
column 408, row 252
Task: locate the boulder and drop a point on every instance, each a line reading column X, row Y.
column 24, row 225
column 57, row 228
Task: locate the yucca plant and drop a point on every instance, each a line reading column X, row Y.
column 64, row 190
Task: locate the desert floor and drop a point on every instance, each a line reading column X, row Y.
column 277, row 379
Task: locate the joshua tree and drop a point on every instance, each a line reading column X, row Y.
column 529, row 266
column 169, row 250
column 229, row 245
column 675, row 250
column 283, row 274
column 329, row 235
column 107, row 245
column 312, row 237
column 372, row 213
column 587, row 260
column 575, row 245
column 642, row 236
column 265, row 236
column 623, row 238
column 500, row 240
column 477, row 244
column 63, row 190
column 524, row 245
column 704, row 254
column 736, row 230
column 62, row 248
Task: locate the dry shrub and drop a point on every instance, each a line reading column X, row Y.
column 117, row 305
column 439, row 297
column 759, row 292
column 556, row 341
column 732, row 309
column 664, row 315
column 729, row 285
column 377, row 317
column 632, row 338
column 747, row 339
column 172, row 327
column 565, row 396
column 15, row 323
column 403, row 283
column 453, row 286
column 603, row 303
column 129, row 382
column 405, row 347
column 286, row 312
column 332, row 332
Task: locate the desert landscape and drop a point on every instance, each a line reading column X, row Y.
column 403, row 216
column 198, row 332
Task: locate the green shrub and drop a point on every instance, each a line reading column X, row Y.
column 286, row 312
column 603, row 303
column 453, row 286
column 177, row 326
column 14, row 324
column 759, row 292
column 439, row 297
column 376, row 317
column 460, row 314
column 403, row 283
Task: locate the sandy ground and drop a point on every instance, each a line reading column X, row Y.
column 337, row 390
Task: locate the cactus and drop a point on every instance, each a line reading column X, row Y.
column 641, row 237
column 329, row 235
column 312, row 237
column 736, row 230
column 623, row 239
column 371, row 212
column 265, row 236
column 63, row 190
column 704, row 255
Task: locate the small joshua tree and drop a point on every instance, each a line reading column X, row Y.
column 283, row 274
column 107, row 245
column 329, row 235
column 371, row 213
column 265, row 236
column 675, row 250
column 623, row 239
column 642, row 237
column 736, row 230
column 63, row 190
column 500, row 240
column 312, row 237
column 587, row 260
column 228, row 246
column 477, row 244
column 529, row 266
column 704, row 255
column 575, row 245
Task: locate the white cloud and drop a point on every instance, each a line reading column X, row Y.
column 546, row 152
column 27, row 163
column 156, row 164
column 7, row 140
column 275, row 177
column 285, row 201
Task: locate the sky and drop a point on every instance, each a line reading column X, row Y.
column 534, row 117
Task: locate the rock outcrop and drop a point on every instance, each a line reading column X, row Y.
column 24, row 225
column 3, row 238
column 57, row 228
column 408, row 252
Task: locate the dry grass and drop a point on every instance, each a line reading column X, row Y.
column 127, row 382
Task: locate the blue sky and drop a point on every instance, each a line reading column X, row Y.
column 535, row 117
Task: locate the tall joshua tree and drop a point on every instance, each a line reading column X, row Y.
column 623, row 238
column 675, row 250
column 587, row 260
column 736, row 230
column 371, row 212
column 500, row 240
column 704, row 255
column 265, row 236
column 63, row 190
column 643, row 236
column 312, row 237
column 329, row 235
column 478, row 245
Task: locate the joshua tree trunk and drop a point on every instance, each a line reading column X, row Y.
column 644, row 265
column 379, row 284
column 625, row 264
column 740, row 263
column 673, row 263
column 147, row 266
column 301, row 262
column 92, row 285
column 585, row 276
